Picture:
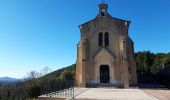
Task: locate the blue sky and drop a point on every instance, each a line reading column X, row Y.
column 44, row 33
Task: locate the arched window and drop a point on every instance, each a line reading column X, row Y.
column 106, row 38
column 100, row 39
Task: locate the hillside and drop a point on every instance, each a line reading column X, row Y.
column 33, row 87
column 62, row 72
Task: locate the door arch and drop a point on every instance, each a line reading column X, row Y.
column 104, row 74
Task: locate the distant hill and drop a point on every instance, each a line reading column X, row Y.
column 8, row 80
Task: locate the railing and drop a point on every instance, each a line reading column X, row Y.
column 65, row 89
column 66, row 93
column 60, row 89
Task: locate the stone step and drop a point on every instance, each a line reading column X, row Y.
column 106, row 85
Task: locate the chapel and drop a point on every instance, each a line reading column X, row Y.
column 105, row 52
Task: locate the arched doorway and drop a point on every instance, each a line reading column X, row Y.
column 104, row 74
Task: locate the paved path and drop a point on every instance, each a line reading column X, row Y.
column 160, row 94
column 113, row 94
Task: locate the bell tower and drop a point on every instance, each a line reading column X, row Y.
column 103, row 9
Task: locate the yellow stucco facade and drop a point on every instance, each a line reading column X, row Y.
column 105, row 53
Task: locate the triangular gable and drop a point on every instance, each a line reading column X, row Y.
column 104, row 51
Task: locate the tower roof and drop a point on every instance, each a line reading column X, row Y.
column 103, row 6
